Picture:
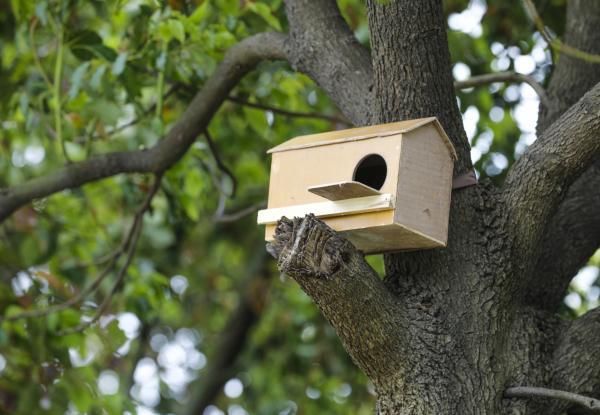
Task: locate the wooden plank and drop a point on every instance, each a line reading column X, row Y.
column 292, row 172
column 343, row 190
column 425, row 184
column 328, row 209
column 351, row 134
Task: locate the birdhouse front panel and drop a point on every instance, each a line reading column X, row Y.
column 294, row 171
column 385, row 187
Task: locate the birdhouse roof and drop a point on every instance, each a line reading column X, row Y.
column 363, row 133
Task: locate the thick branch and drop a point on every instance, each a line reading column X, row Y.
column 322, row 45
column 238, row 61
column 576, row 363
column 570, row 239
column 348, row 292
column 540, row 179
column 573, row 234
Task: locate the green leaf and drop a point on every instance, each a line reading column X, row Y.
column 171, row 29
column 119, row 65
column 96, row 80
column 201, row 13
column 75, row 151
column 78, row 391
column 107, row 111
column 190, row 205
column 194, row 183
column 77, row 78
column 257, row 120
column 84, row 37
column 114, row 333
column 87, row 45
column 264, row 11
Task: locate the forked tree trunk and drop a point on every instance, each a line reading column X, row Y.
column 450, row 329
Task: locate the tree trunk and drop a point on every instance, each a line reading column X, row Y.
column 448, row 330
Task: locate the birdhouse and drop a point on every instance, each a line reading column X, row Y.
column 384, row 187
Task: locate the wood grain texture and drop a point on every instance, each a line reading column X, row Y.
column 363, row 133
column 424, row 184
column 293, row 172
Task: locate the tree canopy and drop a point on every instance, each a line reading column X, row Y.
column 133, row 276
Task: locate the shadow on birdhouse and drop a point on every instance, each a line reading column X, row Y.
column 384, row 187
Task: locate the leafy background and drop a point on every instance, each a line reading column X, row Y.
column 201, row 305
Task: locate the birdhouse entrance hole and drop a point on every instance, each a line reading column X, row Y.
column 371, row 171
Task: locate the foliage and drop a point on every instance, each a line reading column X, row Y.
column 82, row 78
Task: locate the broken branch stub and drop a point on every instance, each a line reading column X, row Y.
column 308, row 247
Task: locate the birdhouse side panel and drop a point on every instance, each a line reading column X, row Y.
column 425, row 184
column 294, row 171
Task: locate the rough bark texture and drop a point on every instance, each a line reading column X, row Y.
column 322, row 45
column 411, row 66
column 573, row 234
column 447, row 331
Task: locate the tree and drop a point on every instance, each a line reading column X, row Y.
column 453, row 330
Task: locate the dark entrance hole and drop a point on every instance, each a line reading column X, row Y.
column 371, row 170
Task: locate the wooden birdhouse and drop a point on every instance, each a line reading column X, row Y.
column 384, row 187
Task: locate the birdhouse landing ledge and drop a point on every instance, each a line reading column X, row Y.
column 384, row 187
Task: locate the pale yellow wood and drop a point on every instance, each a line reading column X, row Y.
column 419, row 160
column 424, row 184
column 327, row 209
column 363, row 133
column 349, row 222
column 376, row 239
column 293, row 172
column 343, row 190
column 389, row 238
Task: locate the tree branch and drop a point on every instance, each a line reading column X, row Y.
column 576, row 366
column 572, row 235
column 571, row 78
column 555, row 43
column 112, row 258
column 345, row 288
column 214, row 151
column 534, row 392
column 570, row 239
column 479, row 80
column 228, row 217
column 539, row 180
column 129, row 255
column 288, row 113
column 322, row 45
column 238, row 61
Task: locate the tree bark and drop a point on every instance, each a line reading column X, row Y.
column 573, row 235
column 458, row 330
column 322, row 45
